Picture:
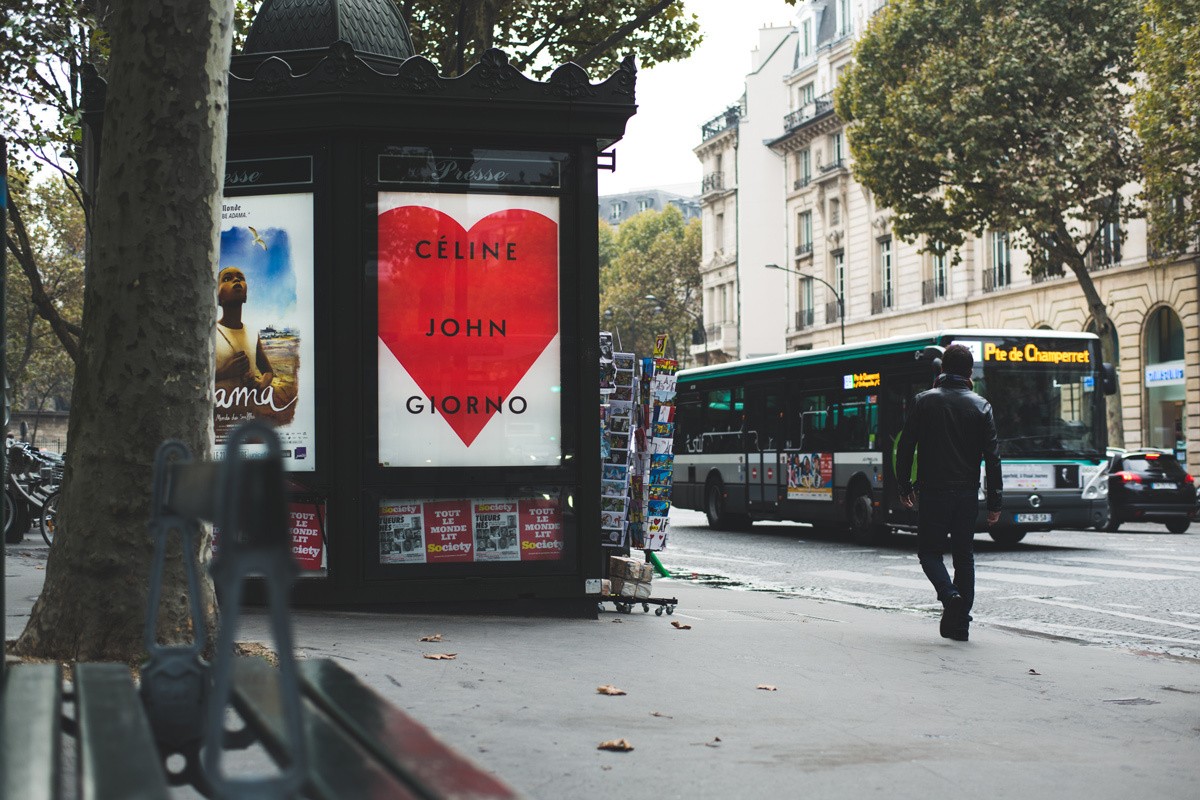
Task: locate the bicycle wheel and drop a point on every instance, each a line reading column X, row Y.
column 49, row 518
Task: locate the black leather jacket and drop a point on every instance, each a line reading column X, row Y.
column 953, row 430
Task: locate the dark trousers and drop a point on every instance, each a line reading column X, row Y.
column 948, row 513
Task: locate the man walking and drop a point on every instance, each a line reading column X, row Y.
column 953, row 430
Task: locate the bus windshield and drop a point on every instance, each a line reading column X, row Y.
column 1048, row 411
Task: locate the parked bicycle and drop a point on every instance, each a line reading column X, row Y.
column 34, row 477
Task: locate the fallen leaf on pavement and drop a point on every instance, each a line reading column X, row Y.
column 660, row 714
column 1034, row 672
column 618, row 619
column 441, row 656
column 437, row 637
column 716, row 742
column 681, row 626
column 616, row 745
column 606, row 689
column 766, row 687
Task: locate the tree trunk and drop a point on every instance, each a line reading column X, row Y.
column 1104, row 329
column 145, row 365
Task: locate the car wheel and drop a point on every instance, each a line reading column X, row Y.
column 1112, row 524
column 1178, row 525
column 1006, row 535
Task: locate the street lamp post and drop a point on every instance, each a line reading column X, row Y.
column 696, row 317
column 836, row 293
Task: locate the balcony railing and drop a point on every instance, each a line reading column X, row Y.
column 1042, row 277
column 714, row 333
column 808, row 112
column 722, row 122
column 800, row 183
column 932, row 290
column 713, row 182
column 804, row 249
column 832, row 166
column 804, row 319
column 833, row 311
column 881, row 301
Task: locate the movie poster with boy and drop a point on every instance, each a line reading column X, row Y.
column 810, row 476
column 468, row 333
column 263, row 341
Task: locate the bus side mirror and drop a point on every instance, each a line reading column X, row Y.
column 1109, row 373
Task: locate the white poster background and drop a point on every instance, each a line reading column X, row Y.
column 292, row 214
column 426, row 440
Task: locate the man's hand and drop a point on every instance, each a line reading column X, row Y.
column 908, row 499
column 993, row 517
column 237, row 367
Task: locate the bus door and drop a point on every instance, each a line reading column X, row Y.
column 896, row 398
column 766, row 479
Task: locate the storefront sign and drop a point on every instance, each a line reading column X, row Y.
column 263, row 340
column 468, row 330
column 1171, row 374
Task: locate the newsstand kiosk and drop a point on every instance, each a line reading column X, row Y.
column 417, row 259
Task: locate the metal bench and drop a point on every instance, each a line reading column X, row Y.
column 325, row 733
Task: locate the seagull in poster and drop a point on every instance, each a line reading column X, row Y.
column 258, row 240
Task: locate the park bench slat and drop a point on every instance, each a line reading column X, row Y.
column 118, row 757
column 30, row 728
column 392, row 736
column 338, row 766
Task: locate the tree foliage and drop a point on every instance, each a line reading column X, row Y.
column 1168, row 120
column 539, row 35
column 53, row 230
column 967, row 115
column 653, row 253
column 42, row 49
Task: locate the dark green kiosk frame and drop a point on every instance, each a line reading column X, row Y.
column 315, row 115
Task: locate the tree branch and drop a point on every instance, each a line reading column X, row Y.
column 621, row 33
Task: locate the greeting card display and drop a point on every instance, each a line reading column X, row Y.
column 617, row 445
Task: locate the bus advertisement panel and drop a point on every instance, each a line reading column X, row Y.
column 810, row 436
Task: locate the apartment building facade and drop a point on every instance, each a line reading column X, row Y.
column 843, row 274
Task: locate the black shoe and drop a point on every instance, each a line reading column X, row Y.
column 958, row 634
column 952, row 618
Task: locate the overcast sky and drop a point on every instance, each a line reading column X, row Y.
column 675, row 99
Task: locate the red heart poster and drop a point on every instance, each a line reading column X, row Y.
column 468, row 304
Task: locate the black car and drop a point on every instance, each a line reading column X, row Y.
column 1150, row 486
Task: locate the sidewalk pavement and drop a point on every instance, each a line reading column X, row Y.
column 866, row 702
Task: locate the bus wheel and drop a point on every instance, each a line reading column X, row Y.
column 714, row 505
column 1006, row 535
column 860, row 515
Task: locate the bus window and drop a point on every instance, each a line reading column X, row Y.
column 764, row 417
column 724, row 421
column 689, row 422
column 857, row 425
column 815, row 423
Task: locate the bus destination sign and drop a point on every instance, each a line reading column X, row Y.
column 860, row 380
column 1032, row 354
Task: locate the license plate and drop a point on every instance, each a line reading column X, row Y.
column 1165, row 485
column 1033, row 517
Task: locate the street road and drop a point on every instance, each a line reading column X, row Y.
column 1137, row 588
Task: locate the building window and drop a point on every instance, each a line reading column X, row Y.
column 803, row 168
column 614, row 210
column 940, row 274
column 835, row 212
column 833, row 311
column 836, row 143
column 645, row 203
column 806, row 38
column 719, row 233
column 1108, row 245
column 808, row 95
column 1001, row 271
column 844, row 22
column 885, row 273
column 804, row 240
column 806, row 303
column 1164, row 380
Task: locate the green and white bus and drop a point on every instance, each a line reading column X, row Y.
column 810, row 436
